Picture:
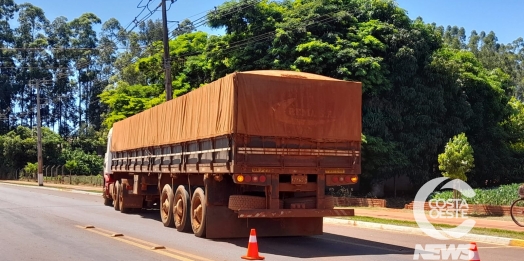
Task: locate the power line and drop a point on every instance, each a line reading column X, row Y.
column 172, row 2
column 228, row 10
column 269, row 35
column 148, row 15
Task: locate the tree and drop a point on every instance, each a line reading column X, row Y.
column 63, row 111
column 19, row 147
column 150, row 32
column 8, row 84
column 184, row 27
column 35, row 63
column 84, row 38
column 457, row 158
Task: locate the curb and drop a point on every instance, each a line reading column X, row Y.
column 417, row 231
column 72, row 190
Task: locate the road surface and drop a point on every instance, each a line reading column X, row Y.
column 45, row 224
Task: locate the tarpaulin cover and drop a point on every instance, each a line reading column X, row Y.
column 263, row 103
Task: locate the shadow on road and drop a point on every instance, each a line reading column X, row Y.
column 326, row 245
column 150, row 213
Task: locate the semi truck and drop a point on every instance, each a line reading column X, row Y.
column 253, row 149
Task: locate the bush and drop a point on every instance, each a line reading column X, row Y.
column 503, row 195
column 31, row 168
column 79, row 162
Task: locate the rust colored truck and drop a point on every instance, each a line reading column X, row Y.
column 251, row 150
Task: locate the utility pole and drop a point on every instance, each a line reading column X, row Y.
column 39, row 136
column 167, row 62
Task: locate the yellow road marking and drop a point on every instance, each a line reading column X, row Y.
column 173, row 253
column 168, row 249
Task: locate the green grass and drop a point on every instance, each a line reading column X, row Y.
column 475, row 230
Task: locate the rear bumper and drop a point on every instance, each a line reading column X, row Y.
column 288, row 213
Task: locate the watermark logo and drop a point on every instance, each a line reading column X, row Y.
column 453, row 208
column 442, row 252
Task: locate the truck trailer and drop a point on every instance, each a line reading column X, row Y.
column 253, row 149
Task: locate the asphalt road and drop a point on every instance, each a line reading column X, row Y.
column 43, row 224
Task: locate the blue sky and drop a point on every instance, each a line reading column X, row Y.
column 505, row 18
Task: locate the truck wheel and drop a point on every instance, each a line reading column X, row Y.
column 121, row 198
column 237, row 202
column 198, row 213
column 166, row 206
column 116, row 202
column 108, row 200
column 182, row 212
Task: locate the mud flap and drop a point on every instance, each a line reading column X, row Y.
column 224, row 223
column 132, row 201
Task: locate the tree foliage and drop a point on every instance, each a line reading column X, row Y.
column 80, row 163
column 19, row 151
column 422, row 83
column 457, row 158
column 31, row 168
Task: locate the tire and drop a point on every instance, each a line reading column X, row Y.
column 166, row 206
column 182, row 210
column 237, row 202
column 198, row 213
column 116, row 202
column 517, row 212
column 121, row 197
column 108, row 201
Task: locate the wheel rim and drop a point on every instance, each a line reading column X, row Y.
column 197, row 213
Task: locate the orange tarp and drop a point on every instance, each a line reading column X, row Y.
column 264, row 103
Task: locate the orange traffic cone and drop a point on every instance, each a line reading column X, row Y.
column 473, row 252
column 252, row 247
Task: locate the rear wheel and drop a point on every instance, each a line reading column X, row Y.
column 116, row 202
column 198, row 213
column 121, row 198
column 182, row 211
column 517, row 212
column 108, row 201
column 166, row 206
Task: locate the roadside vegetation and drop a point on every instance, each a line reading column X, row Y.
column 503, row 195
column 423, row 83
